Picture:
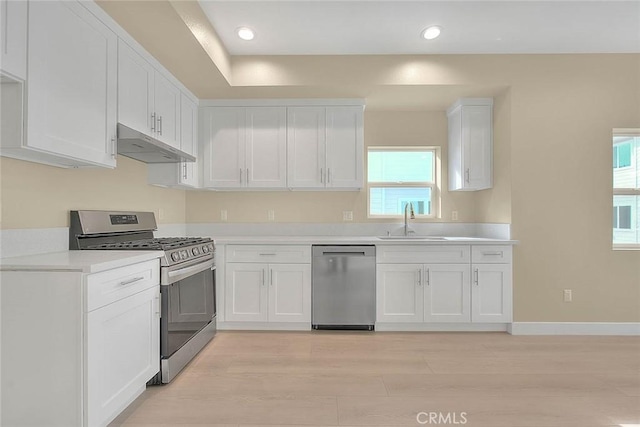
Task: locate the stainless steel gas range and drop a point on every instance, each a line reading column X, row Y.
column 187, row 279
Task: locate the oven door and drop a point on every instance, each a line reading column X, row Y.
column 187, row 319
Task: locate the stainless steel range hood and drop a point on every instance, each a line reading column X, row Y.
column 137, row 145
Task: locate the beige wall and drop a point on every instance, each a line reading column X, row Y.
column 381, row 128
column 40, row 196
column 562, row 114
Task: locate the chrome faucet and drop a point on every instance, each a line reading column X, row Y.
column 408, row 207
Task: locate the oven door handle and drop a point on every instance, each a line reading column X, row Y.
column 182, row 273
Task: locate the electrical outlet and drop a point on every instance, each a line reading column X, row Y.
column 223, row 215
column 347, row 215
column 271, row 214
column 567, row 295
column 160, row 213
column 454, row 215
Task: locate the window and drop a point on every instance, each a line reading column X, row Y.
column 626, row 189
column 622, row 155
column 622, row 217
column 398, row 176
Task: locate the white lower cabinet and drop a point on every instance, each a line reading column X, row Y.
column 447, row 292
column 268, row 292
column 123, row 352
column 491, row 293
column 77, row 348
column 447, row 289
column 246, row 292
column 268, row 284
column 410, row 293
column 399, row 293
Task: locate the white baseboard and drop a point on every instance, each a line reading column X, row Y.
column 441, row 327
column 575, row 328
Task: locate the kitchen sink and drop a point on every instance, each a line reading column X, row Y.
column 411, row 238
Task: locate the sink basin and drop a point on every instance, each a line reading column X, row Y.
column 410, row 237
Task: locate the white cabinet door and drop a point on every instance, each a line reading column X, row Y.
column 72, row 79
column 167, row 108
column 266, row 147
column 344, row 147
column 188, row 125
column 13, row 38
column 447, row 293
column 135, row 90
column 306, row 137
column 470, row 144
column 246, row 293
column 491, row 293
column 223, row 143
column 457, row 174
column 189, row 141
column 183, row 174
column 123, row 352
column 477, row 145
column 399, row 294
column 290, row 293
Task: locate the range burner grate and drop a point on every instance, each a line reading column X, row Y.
column 163, row 243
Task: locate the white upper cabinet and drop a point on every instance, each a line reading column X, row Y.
column 470, row 144
column 135, row 90
column 244, row 147
column 345, row 147
column 147, row 101
column 188, row 125
column 13, row 38
column 72, row 86
column 167, row 111
column 223, row 147
column 265, row 147
column 306, row 146
column 325, row 147
column 183, row 174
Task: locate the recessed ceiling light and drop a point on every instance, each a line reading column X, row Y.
column 245, row 33
column 431, row 32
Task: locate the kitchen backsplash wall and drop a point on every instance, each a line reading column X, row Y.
column 40, row 196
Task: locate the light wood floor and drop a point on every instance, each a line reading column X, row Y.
column 386, row 379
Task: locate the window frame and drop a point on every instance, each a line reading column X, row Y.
column 633, row 133
column 434, row 186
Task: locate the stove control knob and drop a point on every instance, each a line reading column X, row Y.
column 195, row 251
column 184, row 254
column 175, row 256
column 205, row 249
column 211, row 247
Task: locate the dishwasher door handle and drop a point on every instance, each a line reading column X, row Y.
column 343, row 253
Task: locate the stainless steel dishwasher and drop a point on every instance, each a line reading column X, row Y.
column 344, row 287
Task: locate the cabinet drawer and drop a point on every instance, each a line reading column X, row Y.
column 491, row 254
column 423, row 254
column 113, row 285
column 269, row 253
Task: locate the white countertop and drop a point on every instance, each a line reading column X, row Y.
column 85, row 261
column 356, row 240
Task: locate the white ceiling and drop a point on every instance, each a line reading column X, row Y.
column 393, row 27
